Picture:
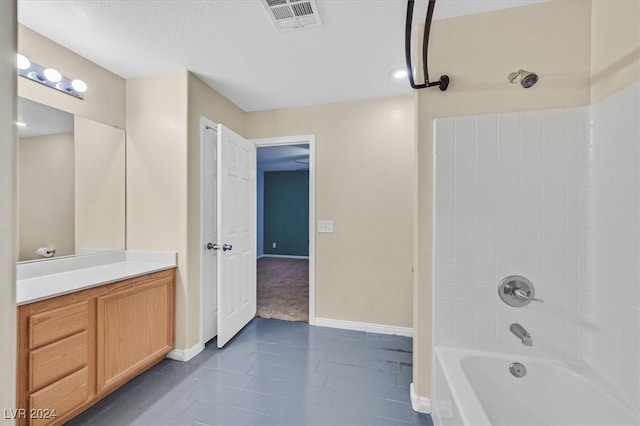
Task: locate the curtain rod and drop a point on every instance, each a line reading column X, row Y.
column 443, row 83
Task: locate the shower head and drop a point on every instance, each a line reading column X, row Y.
column 525, row 78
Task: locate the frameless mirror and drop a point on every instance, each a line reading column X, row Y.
column 71, row 184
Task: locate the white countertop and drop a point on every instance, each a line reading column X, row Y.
column 43, row 280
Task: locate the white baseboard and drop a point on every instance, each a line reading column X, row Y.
column 283, row 256
column 186, row 354
column 364, row 326
column 421, row 404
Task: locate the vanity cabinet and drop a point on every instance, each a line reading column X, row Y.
column 75, row 349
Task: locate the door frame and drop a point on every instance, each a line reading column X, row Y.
column 311, row 141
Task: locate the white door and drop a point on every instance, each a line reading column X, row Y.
column 236, row 214
column 209, row 227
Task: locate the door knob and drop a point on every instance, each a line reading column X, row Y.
column 212, row 246
column 226, row 247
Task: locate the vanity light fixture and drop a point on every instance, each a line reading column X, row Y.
column 50, row 77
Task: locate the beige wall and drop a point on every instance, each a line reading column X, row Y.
column 615, row 46
column 478, row 52
column 46, row 195
column 99, row 185
column 8, row 207
column 364, row 183
column 157, row 175
column 105, row 97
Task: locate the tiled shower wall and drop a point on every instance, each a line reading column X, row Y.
column 554, row 196
column 507, row 202
column 611, row 297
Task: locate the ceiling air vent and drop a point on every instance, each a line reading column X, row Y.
column 289, row 15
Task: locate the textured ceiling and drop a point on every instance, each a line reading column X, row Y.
column 282, row 158
column 233, row 46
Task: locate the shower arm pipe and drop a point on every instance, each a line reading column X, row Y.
column 443, row 83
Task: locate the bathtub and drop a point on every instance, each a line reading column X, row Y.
column 476, row 388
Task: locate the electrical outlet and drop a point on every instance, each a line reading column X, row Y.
column 325, row 226
column 273, row 245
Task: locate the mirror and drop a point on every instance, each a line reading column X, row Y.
column 71, row 184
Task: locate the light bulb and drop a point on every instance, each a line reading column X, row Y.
column 52, row 75
column 33, row 75
column 399, row 73
column 23, row 62
column 79, row 86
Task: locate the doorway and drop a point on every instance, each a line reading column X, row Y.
column 286, row 228
column 212, row 165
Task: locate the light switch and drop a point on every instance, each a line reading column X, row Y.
column 325, row 226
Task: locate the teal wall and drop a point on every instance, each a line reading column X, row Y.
column 286, row 213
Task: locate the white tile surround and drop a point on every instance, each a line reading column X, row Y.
column 553, row 195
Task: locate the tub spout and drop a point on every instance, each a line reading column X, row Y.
column 521, row 334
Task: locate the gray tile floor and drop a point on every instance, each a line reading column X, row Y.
column 273, row 373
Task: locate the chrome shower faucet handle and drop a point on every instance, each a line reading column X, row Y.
column 517, row 291
column 521, row 294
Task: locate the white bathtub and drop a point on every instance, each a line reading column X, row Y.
column 476, row 388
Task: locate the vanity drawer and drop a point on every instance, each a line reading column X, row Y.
column 56, row 360
column 55, row 324
column 60, row 397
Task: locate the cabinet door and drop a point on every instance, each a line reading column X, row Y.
column 135, row 328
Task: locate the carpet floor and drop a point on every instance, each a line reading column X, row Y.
column 283, row 289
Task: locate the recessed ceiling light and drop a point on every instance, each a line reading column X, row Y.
column 20, row 124
column 399, row 73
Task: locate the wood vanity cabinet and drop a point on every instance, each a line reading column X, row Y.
column 75, row 349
